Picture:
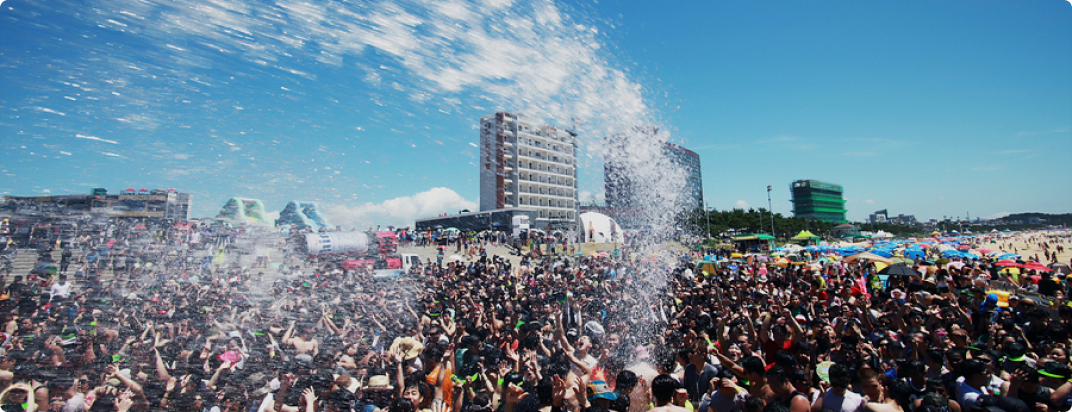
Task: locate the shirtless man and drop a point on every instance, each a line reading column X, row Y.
column 304, row 343
column 663, row 389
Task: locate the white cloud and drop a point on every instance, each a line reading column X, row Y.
column 400, row 211
column 82, row 136
column 586, row 196
column 741, row 204
column 272, row 216
column 869, row 201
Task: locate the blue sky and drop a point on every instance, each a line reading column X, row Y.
column 370, row 108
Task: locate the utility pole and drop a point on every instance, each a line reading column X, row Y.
column 707, row 219
column 770, row 210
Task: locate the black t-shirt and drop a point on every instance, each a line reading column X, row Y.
column 1047, row 286
column 1041, row 395
column 530, row 403
column 27, row 304
column 621, row 404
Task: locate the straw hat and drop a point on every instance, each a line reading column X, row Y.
column 379, row 383
column 407, row 346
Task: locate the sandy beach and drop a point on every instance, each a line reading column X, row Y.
column 1030, row 245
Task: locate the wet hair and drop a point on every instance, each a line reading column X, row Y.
column 840, row 372
column 595, row 408
column 754, row 404
column 799, row 376
column 785, row 359
column 664, row 358
column 934, row 355
column 625, row 381
column 433, row 353
column 912, row 366
column 402, row 405
column 901, row 392
column 513, row 377
column 663, row 387
column 753, row 364
column 778, row 372
column 423, row 387
column 342, row 400
column 971, row 367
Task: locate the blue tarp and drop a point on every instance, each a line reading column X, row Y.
column 915, row 253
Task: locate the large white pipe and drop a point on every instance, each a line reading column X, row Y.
column 337, row 243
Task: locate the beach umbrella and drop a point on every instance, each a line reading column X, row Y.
column 899, row 270
column 45, row 270
column 783, row 262
column 868, row 256
column 1060, row 268
column 1008, row 256
column 1037, row 267
column 902, row 260
column 957, row 265
column 1007, row 264
column 455, row 257
column 984, row 250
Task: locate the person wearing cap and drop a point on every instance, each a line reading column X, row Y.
column 599, row 394
column 1025, row 386
column 1015, row 357
column 376, row 393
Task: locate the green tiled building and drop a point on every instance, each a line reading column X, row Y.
column 818, row 200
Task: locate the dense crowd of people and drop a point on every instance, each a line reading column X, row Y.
column 180, row 331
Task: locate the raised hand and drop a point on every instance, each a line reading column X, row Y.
column 124, row 404
column 514, row 393
column 558, row 390
column 309, row 396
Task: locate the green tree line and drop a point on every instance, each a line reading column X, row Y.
column 717, row 222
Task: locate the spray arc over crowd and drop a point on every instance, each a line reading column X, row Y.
column 249, row 311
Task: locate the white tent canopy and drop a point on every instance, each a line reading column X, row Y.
column 600, row 228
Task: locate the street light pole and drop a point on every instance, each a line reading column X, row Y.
column 707, row 220
column 770, row 210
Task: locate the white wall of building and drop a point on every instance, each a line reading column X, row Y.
column 524, row 163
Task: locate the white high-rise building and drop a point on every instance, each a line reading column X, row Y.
column 526, row 164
